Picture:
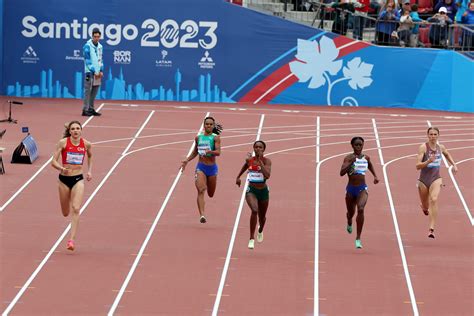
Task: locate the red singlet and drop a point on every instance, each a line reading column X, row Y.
column 73, row 155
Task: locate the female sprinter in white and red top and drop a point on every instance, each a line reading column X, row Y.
column 69, row 158
column 259, row 169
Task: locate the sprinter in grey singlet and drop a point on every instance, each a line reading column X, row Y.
column 430, row 182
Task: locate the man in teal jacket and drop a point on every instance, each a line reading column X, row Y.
column 93, row 71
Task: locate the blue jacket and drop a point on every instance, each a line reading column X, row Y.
column 93, row 61
column 387, row 22
column 415, row 18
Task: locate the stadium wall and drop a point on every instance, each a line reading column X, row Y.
column 214, row 51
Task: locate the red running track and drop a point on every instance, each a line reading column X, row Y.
column 141, row 249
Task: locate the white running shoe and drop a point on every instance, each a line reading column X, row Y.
column 202, row 220
column 251, row 243
column 259, row 236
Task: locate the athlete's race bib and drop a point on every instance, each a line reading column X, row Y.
column 74, row 158
column 203, row 147
column 436, row 163
column 256, row 176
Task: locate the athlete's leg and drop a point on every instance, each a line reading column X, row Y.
column 435, row 188
column 253, row 204
column 361, row 201
column 77, row 193
column 211, row 185
column 64, row 198
column 201, row 189
column 423, row 191
column 350, row 205
column 262, row 214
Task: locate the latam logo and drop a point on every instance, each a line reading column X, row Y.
column 164, row 62
column 30, row 56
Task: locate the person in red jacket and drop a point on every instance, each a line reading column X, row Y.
column 360, row 17
column 68, row 158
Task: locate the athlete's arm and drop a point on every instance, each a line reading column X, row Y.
column 266, row 166
column 346, row 164
column 89, row 160
column 191, row 156
column 419, row 158
column 57, row 155
column 217, row 145
column 449, row 158
column 371, row 168
column 241, row 172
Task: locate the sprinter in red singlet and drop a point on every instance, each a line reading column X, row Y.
column 430, row 182
column 68, row 159
column 259, row 169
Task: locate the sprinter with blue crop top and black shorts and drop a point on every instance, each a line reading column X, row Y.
column 355, row 166
column 207, row 147
column 430, row 182
column 71, row 151
column 259, row 169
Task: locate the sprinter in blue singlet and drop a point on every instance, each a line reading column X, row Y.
column 355, row 166
column 207, row 147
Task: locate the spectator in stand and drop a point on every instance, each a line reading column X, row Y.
column 450, row 6
column 415, row 30
column 341, row 21
column 468, row 19
column 406, row 24
column 375, row 5
column 439, row 28
column 360, row 17
column 462, row 5
column 387, row 24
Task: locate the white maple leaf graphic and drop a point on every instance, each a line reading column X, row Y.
column 358, row 73
column 314, row 60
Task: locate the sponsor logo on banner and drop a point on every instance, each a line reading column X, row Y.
column 206, row 61
column 76, row 55
column 163, row 62
column 122, row 57
column 30, row 56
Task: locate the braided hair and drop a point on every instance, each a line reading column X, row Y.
column 217, row 127
column 67, row 127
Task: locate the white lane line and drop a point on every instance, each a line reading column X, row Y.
column 377, row 140
column 66, row 230
column 399, row 237
column 150, row 233
column 316, row 223
column 462, row 161
column 456, row 186
column 232, row 238
column 40, row 169
column 318, row 138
